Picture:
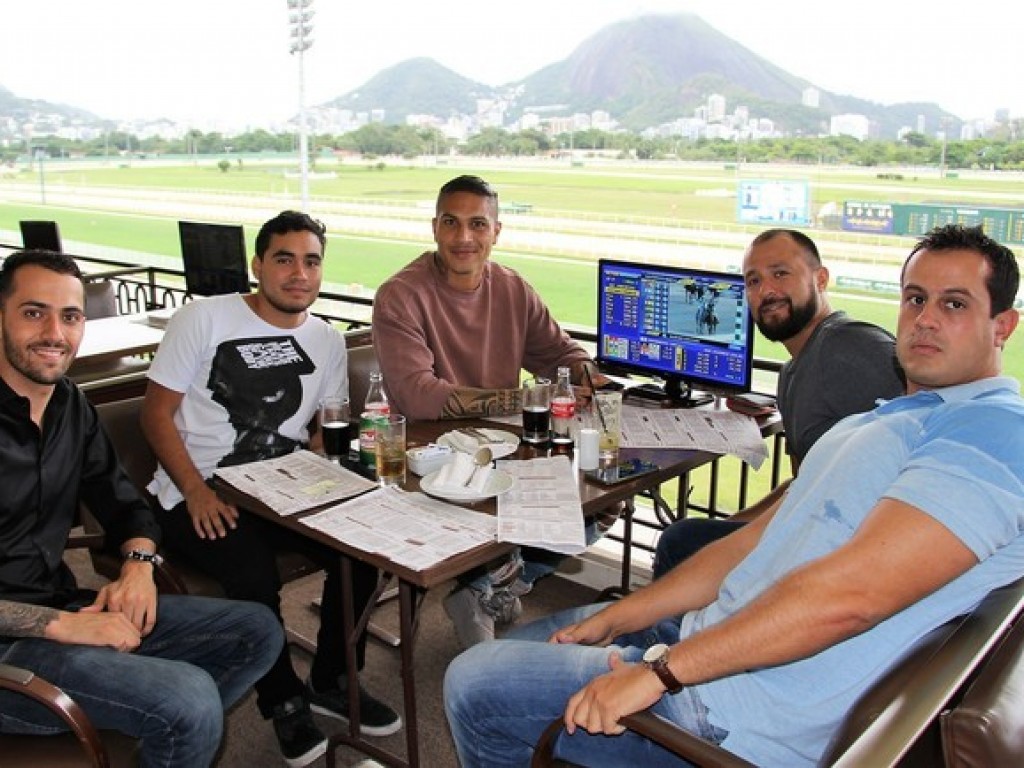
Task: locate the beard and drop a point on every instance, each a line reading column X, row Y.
column 791, row 325
column 286, row 304
column 35, row 372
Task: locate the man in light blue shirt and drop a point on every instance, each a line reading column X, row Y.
column 901, row 519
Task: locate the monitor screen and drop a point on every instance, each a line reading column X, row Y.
column 690, row 327
column 43, row 235
column 214, row 258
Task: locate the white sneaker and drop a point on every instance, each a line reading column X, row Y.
column 472, row 623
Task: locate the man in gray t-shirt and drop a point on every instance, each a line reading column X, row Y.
column 838, row 366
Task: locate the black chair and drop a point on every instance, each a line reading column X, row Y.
column 214, row 258
column 120, row 419
column 42, row 235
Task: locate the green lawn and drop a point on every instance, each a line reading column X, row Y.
column 626, row 189
column 567, row 286
column 692, row 195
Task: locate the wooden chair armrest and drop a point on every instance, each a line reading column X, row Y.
column 659, row 730
column 26, row 683
column 681, row 742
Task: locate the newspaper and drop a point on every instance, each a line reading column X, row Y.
column 295, row 482
column 543, row 508
column 703, row 429
column 410, row 529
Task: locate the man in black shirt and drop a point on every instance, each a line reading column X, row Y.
column 161, row 669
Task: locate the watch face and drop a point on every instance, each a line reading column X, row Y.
column 655, row 652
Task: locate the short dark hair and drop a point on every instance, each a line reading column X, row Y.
column 472, row 184
column 1004, row 275
column 803, row 241
column 60, row 263
column 289, row 221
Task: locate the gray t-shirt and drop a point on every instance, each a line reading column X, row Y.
column 845, row 367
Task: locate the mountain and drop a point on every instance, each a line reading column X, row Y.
column 415, row 86
column 22, row 110
column 658, row 68
column 644, row 71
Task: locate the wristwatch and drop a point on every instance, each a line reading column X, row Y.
column 656, row 660
column 145, row 557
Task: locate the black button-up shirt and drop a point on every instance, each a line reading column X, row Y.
column 42, row 479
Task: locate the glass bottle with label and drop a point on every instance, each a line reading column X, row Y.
column 375, row 408
column 563, row 409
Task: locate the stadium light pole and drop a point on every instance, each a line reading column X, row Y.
column 40, row 154
column 301, row 20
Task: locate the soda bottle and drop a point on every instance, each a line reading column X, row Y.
column 563, row 409
column 375, row 408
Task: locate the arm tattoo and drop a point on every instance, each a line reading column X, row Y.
column 468, row 403
column 24, row 620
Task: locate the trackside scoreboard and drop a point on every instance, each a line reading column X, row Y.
column 1006, row 225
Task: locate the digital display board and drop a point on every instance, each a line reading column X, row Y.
column 867, row 217
column 1005, row 225
column 773, row 202
column 682, row 324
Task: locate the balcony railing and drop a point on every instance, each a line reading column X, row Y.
column 144, row 288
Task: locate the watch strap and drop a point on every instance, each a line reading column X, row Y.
column 143, row 556
column 660, row 668
column 658, row 664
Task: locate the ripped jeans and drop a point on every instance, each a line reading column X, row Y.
column 501, row 587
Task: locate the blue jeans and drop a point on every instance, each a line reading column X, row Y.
column 171, row 692
column 684, row 537
column 500, row 695
column 533, row 564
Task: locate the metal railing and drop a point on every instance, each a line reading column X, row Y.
column 145, row 288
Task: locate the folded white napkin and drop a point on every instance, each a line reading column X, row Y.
column 456, row 473
column 466, row 443
column 460, row 441
column 481, row 477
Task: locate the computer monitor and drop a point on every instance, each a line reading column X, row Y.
column 689, row 327
column 214, row 258
column 42, row 235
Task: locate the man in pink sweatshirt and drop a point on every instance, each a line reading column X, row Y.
column 453, row 332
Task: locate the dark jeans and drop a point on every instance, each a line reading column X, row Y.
column 244, row 563
column 171, row 692
column 686, row 536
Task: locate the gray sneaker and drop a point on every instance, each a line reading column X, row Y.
column 473, row 624
column 503, row 606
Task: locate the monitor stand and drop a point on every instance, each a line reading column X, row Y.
column 675, row 393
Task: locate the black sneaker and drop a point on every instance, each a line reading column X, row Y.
column 300, row 740
column 375, row 717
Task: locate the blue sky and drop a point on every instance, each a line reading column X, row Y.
column 227, row 61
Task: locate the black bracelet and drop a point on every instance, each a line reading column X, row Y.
column 145, row 557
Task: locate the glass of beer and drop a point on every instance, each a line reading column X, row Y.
column 536, row 411
column 335, row 426
column 391, row 450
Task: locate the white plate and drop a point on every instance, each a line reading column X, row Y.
column 499, row 482
column 502, row 443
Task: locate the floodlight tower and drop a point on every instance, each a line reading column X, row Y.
column 301, row 20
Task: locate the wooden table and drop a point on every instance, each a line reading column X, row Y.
column 413, row 585
column 412, row 589
column 108, row 339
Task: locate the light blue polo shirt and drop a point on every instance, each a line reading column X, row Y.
column 955, row 453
